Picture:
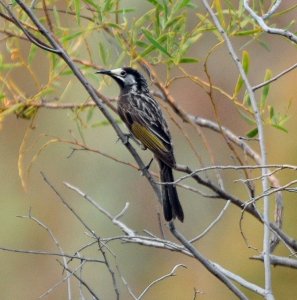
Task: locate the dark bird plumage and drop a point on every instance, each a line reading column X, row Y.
column 144, row 118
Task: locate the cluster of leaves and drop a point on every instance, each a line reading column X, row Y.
column 104, row 30
column 267, row 111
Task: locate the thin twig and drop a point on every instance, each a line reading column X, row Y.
column 265, row 185
column 172, row 273
column 82, row 282
column 279, row 261
column 57, row 245
column 40, row 252
column 212, row 268
column 285, row 33
column 258, row 86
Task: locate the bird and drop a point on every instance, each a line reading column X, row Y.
column 144, row 118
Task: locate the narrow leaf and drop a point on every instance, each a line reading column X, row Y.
column 277, row 126
column 252, row 133
column 154, row 42
column 71, row 36
column 245, row 64
column 103, row 54
column 188, row 60
column 247, row 118
column 265, row 90
column 77, row 10
column 32, row 53
column 220, row 12
column 271, row 112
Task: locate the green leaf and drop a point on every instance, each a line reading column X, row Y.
column 120, row 59
column 13, row 108
column 188, row 60
column 56, row 17
column 219, row 9
column 188, row 43
column 265, row 91
column 4, row 67
column 92, row 3
column 32, row 53
column 247, row 100
column 103, row 54
column 165, row 9
column 113, row 25
column 154, row 2
column 278, row 126
column 173, row 21
column 123, row 11
column 70, row 37
column 140, row 22
column 245, row 61
column 77, row 10
column 154, row 42
column 247, row 118
column 252, row 133
column 245, row 64
column 141, row 44
column 247, row 32
column 179, row 5
column 108, row 5
column 271, row 112
column 90, row 114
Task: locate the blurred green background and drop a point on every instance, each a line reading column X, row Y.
column 25, row 276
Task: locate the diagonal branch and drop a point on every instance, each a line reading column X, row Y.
column 265, row 184
column 260, row 20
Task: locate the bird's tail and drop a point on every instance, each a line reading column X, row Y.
column 171, row 205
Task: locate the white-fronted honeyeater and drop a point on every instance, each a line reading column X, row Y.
column 143, row 117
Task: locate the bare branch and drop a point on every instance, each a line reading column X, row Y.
column 265, row 186
column 272, row 9
column 57, row 245
column 211, row 267
column 256, row 87
column 82, row 282
column 67, row 277
column 39, row 252
column 279, row 261
column 212, row 224
column 172, row 273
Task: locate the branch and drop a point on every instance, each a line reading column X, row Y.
column 272, row 9
column 256, row 87
column 211, row 267
column 82, row 282
column 38, row 252
column 265, row 185
column 172, row 273
column 152, row 241
column 260, row 20
column 279, row 261
column 55, row 240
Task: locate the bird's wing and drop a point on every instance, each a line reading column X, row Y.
column 144, row 117
column 146, row 111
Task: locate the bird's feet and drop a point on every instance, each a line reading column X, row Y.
column 146, row 168
column 126, row 138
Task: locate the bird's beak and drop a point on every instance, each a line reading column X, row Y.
column 105, row 72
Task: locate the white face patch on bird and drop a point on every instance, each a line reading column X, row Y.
column 121, row 76
column 127, row 78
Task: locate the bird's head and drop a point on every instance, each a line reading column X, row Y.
column 127, row 78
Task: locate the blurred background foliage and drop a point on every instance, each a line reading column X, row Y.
column 179, row 42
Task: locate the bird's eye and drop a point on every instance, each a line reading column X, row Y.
column 123, row 73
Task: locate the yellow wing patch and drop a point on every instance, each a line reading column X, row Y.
column 147, row 138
